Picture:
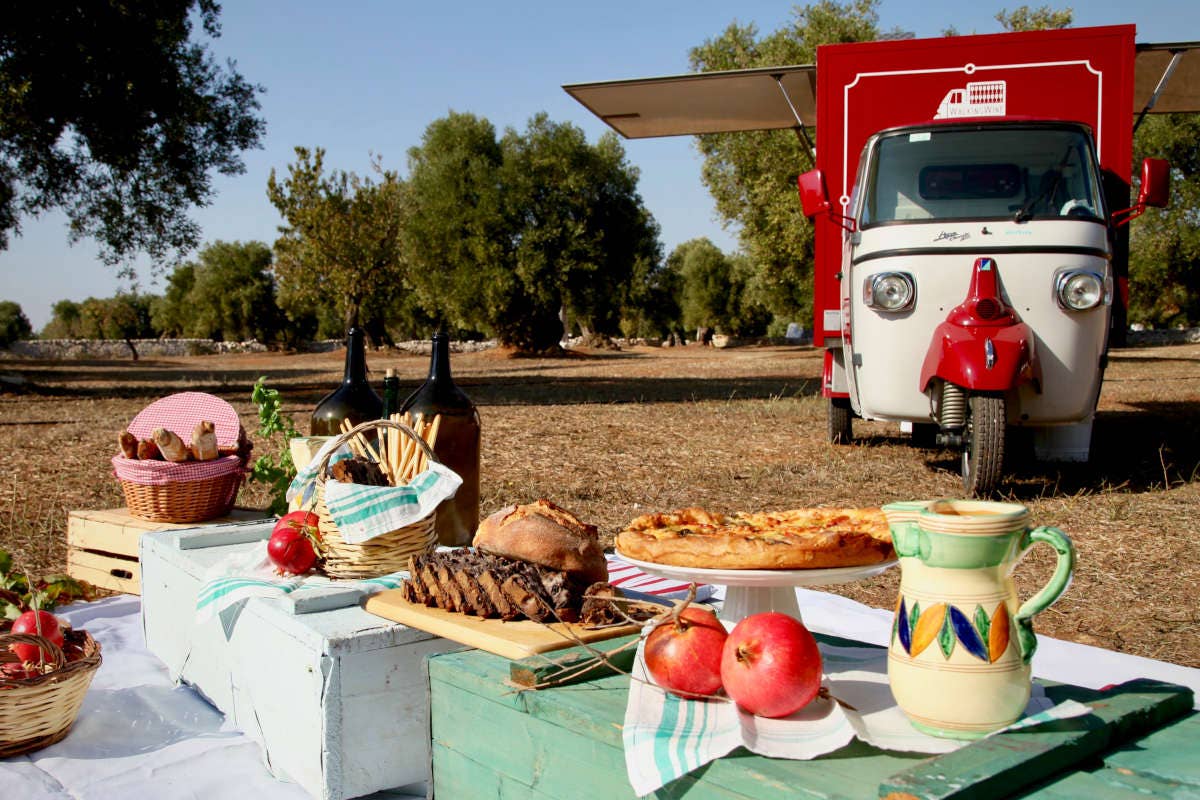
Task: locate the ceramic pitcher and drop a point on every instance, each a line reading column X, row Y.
column 961, row 645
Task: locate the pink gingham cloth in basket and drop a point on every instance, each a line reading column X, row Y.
column 181, row 411
column 159, row 473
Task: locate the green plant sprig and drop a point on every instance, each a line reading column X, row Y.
column 20, row 593
column 273, row 471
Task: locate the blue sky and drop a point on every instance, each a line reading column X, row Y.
column 361, row 77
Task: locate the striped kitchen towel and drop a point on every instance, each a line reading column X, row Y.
column 250, row 573
column 624, row 575
column 666, row 736
column 364, row 512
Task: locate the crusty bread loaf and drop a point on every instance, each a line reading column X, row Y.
column 544, row 534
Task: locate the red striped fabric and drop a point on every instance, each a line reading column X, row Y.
column 626, row 576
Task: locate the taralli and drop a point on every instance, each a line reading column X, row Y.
column 808, row 538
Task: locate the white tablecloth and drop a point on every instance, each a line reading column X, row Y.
column 138, row 736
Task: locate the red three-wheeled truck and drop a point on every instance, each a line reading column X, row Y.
column 970, row 196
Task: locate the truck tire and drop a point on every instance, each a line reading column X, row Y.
column 841, row 420
column 983, row 445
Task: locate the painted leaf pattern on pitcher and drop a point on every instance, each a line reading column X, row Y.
column 984, row 636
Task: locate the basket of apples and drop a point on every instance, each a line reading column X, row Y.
column 45, row 670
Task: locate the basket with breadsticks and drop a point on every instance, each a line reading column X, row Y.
column 182, row 459
column 375, row 490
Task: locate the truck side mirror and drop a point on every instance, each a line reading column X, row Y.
column 1156, row 183
column 1155, row 190
column 814, row 198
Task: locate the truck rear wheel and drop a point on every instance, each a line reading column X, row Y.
column 983, row 445
column 841, row 420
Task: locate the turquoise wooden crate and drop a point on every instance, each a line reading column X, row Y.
column 492, row 741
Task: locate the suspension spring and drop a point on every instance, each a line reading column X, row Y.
column 952, row 411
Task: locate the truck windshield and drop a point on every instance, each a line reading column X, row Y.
column 1018, row 173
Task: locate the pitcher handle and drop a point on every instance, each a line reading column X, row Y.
column 1053, row 589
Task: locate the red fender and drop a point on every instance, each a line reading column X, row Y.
column 960, row 356
column 983, row 345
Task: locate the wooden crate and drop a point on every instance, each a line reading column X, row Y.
column 490, row 741
column 336, row 697
column 102, row 545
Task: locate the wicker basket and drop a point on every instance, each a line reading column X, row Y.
column 189, row 501
column 39, row 711
column 191, row 491
column 382, row 554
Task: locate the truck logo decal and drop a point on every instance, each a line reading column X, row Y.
column 951, row 236
column 976, row 99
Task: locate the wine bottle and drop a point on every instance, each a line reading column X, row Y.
column 457, row 444
column 391, row 394
column 354, row 400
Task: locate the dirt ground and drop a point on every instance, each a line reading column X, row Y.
column 611, row 435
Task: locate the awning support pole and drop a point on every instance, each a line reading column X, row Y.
column 800, row 129
column 1176, row 56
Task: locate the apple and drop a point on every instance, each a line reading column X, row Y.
column 770, row 665
column 40, row 623
column 291, row 547
column 684, row 655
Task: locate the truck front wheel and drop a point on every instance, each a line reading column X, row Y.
column 841, row 420
column 983, row 445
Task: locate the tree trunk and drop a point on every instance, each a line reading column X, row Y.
column 350, row 317
column 132, row 349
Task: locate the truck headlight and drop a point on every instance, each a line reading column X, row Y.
column 889, row 291
column 1079, row 290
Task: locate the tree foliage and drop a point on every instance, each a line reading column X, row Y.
column 227, row 294
column 124, row 316
column 14, row 325
column 752, row 176
column 1042, row 18
column 716, row 290
column 340, row 242
column 110, row 112
column 1164, row 247
column 504, row 233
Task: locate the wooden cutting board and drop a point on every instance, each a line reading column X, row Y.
column 514, row 640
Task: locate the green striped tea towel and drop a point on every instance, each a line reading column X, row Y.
column 666, row 737
column 364, row 512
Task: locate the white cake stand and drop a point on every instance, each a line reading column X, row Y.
column 750, row 591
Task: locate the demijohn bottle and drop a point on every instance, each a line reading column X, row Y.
column 354, row 400
column 457, row 444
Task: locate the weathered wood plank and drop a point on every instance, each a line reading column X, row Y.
column 530, row 672
column 1000, row 765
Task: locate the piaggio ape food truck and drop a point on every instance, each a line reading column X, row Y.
column 969, row 196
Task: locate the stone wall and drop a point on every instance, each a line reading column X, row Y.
column 118, row 349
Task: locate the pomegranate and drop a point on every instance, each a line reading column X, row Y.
column 41, row 623
column 770, row 665
column 684, row 656
column 292, row 546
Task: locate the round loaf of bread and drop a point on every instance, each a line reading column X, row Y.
column 544, row 534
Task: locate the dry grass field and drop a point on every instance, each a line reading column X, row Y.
column 611, row 435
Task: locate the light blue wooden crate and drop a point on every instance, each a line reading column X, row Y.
column 337, row 698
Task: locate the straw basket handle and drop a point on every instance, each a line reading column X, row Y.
column 54, row 651
column 365, row 426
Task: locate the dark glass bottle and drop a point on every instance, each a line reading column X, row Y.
column 457, row 444
column 391, row 394
column 354, row 400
